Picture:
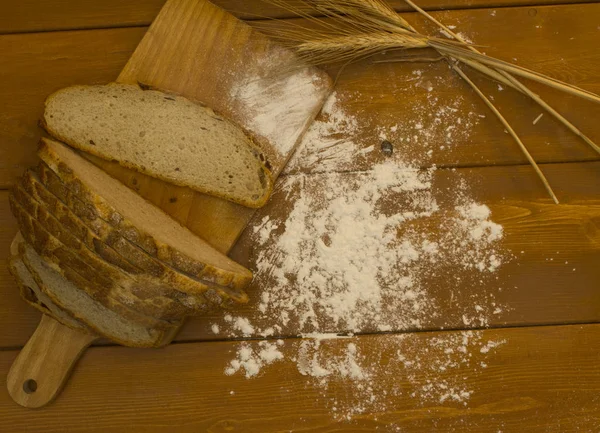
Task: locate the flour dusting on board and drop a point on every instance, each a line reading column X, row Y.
column 328, row 144
column 278, row 105
column 384, row 249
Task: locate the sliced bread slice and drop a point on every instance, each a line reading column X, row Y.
column 143, row 295
column 162, row 135
column 98, row 253
column 139, row 221
column 97, row 285
column 99, row 236
column 101, row 319
column 31, row 293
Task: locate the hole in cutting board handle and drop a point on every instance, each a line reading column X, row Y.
column 30, row 386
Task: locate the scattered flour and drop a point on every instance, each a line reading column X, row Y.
column 341, row 261
column 328, row 143
column 250, row 359
column 491, row 345
column 465, row 38
column 241, row 324
column 367, row 251
column 336, row 141
column 434, row 124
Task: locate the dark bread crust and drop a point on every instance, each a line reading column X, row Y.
column 79, row 271
column 98, row 235
column 69, row 183
column 60, row 220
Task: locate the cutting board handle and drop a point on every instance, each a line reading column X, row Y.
column 43, row 366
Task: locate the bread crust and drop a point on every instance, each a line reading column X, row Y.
column 157, row 336
column 97, row 285
column 62, row 182
column 264, row 174
column 74, row 235
column 100, row 237
column 46, row 306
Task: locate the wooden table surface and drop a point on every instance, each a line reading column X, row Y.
column 545, row 378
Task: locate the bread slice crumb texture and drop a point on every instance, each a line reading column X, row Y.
column 98, row 317
column 162, row 135
column 32, row 294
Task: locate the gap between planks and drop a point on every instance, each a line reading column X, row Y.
column 145, row 17
column 5, row 187
column 108, row 343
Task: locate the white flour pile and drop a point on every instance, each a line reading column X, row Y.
column 338, row 254
column 366, row 252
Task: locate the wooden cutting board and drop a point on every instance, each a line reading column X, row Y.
column 200, row 51
column 195, row 49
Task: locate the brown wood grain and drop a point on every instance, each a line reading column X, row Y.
column 41, row 64
column 36, row 15
column 541, row 379
column 553, row 275
column 537, row 290
column 45, row 363
column 380, row 95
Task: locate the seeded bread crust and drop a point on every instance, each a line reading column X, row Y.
column 32, row 295
column 167, row 137
column 71, row 266
column 150, row 337
column 99, row 236
column 163, row 251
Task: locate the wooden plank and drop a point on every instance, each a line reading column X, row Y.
column 41, row 64
column 380, row 95
column 47, row 15
column 21, row 321
column 541, row 379
column 414, row 98
column 537, row 290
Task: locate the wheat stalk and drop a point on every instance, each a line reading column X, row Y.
column 375, row 16
column 365, row 27
column 511, row 131
column 377, row 9
column 507, row 79
column 319, row 51
column 462, row 53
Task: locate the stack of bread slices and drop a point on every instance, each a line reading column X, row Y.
column 95, row 255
